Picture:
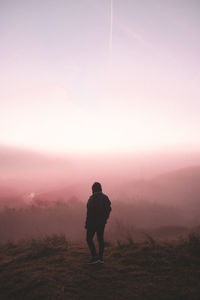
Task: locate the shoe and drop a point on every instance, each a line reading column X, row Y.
column 101, row 261
column 93, row 261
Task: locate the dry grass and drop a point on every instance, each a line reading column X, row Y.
column 53, row 268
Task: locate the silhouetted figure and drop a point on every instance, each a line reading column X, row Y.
column 98, row 211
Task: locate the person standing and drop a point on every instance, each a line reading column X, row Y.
column 98, row 211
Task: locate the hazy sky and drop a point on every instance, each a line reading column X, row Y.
column 100, row 75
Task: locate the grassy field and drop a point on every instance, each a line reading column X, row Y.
column 53, row 268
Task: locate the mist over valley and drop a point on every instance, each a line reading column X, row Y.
column 47, row 193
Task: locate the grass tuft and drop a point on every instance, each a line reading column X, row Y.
column 50, row 268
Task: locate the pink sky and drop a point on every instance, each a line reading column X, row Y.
column 67, row 85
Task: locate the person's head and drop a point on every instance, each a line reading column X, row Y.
column 96, row 187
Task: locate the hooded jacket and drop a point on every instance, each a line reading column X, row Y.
column 98, row 210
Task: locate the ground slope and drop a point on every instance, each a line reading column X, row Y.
column 52, row 268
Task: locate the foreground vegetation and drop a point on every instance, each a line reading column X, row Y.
column 53, row 268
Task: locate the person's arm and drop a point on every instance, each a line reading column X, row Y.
column 88, row 212
column 107, row 208
column 86, row 221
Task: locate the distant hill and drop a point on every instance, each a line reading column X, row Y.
column 23, row 163
column 182, row 174
column 181, row 185
column 7, row 191
column 59, row 176
column 176, row 187
column 25, row 170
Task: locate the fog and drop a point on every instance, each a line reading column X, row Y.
column 42, row 193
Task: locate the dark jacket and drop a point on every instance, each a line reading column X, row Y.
column 98, row 210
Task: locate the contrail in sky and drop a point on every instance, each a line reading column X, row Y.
column 111, row 28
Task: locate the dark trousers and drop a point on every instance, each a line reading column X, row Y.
column 99, row 230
